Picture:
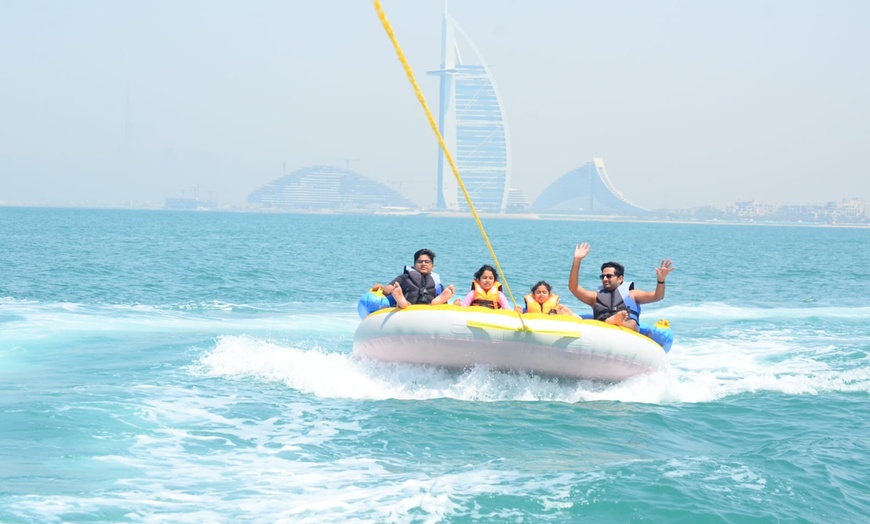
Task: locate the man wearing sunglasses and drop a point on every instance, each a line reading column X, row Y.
column 418, row 284
column 616, row 301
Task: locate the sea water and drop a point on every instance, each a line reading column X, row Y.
column 197, row 367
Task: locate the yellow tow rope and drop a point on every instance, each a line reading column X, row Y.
column 389, row 29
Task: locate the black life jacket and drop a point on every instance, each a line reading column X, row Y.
column 609, row 302
column 419, row 288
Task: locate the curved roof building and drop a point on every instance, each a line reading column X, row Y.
column 474, row 127
column 326, row 187
column 586, row 190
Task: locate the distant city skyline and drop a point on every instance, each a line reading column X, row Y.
column 689, row 104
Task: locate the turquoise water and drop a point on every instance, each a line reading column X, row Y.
column 197, row 367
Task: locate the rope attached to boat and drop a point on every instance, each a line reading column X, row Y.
column 389, row 29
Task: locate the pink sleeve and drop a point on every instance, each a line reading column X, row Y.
column 468, row 299
column 502, row 301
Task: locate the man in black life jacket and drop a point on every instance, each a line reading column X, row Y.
column 418, row 284
column 616, row 301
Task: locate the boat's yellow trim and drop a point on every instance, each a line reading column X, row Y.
column 487, row 325
column 567, row 319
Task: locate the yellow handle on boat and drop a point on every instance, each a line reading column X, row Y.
column 389, row 29
column 487, row 325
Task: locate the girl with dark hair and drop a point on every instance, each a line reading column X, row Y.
column 485, row 290
column 543, row 300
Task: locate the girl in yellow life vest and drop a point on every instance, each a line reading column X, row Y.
column 543, row 300
column 485, row 290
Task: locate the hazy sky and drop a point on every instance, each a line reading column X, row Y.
column 688, row 102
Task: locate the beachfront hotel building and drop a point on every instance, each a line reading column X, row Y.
column 586, row 190
column 326, row 187
column 472, row 121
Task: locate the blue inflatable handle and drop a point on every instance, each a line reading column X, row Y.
column 660, row 332
column 372, row 301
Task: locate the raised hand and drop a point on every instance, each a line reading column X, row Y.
column 581, row 251
column 665, row 269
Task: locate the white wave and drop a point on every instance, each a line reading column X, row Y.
column 309, row 351
column 23, row 321
column 695, row 374
column 41, row 319
column 720, row 311
column 180, row 489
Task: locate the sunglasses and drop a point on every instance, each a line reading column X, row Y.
column 421, row 261
column 611, row 275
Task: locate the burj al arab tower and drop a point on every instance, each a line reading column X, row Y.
column 474, row 127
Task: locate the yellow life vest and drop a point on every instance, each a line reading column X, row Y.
column 485, row 298
column 548, row 307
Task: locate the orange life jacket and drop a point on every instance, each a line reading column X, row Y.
column 485, row 298
column 549, row 307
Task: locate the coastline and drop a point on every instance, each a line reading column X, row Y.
column 451, row 215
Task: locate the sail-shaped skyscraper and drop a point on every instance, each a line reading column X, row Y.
column 474, row 127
